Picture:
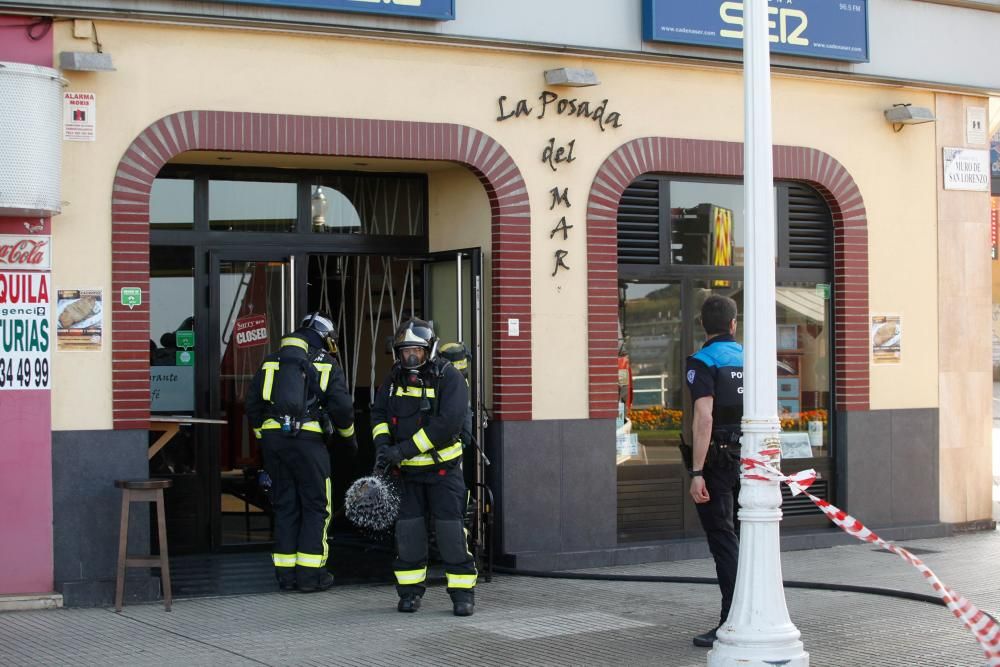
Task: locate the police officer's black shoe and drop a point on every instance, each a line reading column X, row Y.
column 321, row 581
column 408, row 604
column 706, row 639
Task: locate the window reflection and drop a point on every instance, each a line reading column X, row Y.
column 251, row 206
column 803, row 342
column 333, row 212
column 383, row 205
column 650, row 376
column 706, row 223
column 653, row 402
column 171, row 203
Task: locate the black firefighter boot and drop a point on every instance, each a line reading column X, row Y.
column 463, row 602
column 408, row 603
column 312, row 579
column 286, row 579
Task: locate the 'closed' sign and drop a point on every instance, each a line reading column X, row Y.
column 250, row 331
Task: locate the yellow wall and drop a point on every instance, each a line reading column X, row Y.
column 162, row 70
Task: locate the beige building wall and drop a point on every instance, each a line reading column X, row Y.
column 166, row 69
column 964, row 307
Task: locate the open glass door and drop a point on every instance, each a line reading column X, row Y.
column 453, row 300
column 251, row 304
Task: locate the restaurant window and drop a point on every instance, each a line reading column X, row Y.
column 371, row 204
column 171, row 203
column 252, row 206
column 171, row 329
column 679, row 241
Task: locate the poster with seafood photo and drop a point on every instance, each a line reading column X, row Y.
column 886, row 335
column 79, row 319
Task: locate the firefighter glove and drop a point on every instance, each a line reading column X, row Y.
column 388, row 457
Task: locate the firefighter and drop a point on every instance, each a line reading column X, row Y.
column 298, row 397
column 417, row 422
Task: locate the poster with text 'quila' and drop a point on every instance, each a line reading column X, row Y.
column 24, row 330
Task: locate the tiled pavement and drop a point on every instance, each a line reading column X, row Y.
column 525, row 621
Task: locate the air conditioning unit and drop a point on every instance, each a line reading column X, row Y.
column 30, row 140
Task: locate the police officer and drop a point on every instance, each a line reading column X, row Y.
column 417, row 421
column 715, row 379
column 298, row 395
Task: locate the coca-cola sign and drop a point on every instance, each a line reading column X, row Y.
column 25, row 252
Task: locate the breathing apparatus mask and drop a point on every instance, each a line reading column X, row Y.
column 415, row 344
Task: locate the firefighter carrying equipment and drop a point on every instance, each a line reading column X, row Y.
column 301, row 389
column 296, row 390
column 422, row 412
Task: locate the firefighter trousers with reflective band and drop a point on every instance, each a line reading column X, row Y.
column 299, row 468
column 718, row 518
column 440, row 495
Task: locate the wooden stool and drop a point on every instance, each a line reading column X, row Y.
column 138, row 490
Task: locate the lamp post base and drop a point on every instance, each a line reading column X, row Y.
column 735, row 648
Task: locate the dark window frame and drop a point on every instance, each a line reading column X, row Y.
column 302, row 240
column 685, row 276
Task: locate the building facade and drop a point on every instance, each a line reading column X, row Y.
column 244, row 163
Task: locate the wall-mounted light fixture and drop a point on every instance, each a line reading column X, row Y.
column 85, row 61
column 571, row 76
column 907, row 114
column 320, row 206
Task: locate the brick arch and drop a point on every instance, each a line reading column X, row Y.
column 311, row 135
column 718, row 158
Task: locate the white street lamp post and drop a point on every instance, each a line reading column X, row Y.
column 758, row 631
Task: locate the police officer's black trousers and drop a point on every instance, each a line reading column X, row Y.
column 442, row 496
column 718, row 519
column 299, row 468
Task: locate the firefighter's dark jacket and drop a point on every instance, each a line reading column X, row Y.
column 328, row 389
column 423, row 414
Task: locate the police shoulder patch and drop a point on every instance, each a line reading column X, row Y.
column 691, row 377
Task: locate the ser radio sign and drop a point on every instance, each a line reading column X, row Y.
column 813, row 28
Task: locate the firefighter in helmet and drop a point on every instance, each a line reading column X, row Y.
column 297, row 400
column 417, row 422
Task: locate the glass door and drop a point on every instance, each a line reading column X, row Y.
column 453, row 300
column 251, row 304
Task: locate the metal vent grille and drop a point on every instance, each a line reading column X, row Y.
column 31, row 140
column 801, row 505
column 639, row 223
column 810, row 229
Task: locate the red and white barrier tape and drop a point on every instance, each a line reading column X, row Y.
column 986, row 630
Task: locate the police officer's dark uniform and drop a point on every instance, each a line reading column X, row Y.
column 717, row 370
column 417, row 420
column 299, row 392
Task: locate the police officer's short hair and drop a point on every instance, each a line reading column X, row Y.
column 717, row 313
